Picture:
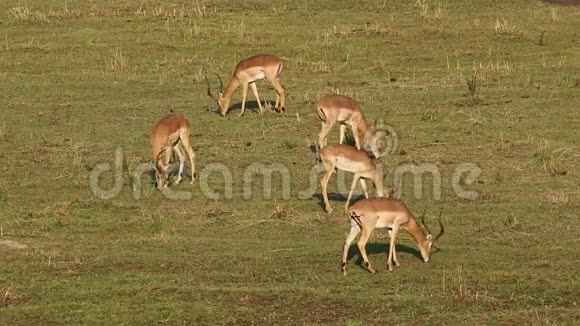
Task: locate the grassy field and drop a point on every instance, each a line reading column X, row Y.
column 80, row 79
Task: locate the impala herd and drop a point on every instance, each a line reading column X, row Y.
column 172, row 134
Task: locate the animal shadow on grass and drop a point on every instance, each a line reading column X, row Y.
column 252, row 106
column 334, row 196
column 172, row 171
column 379, row 248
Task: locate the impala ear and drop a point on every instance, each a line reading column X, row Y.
column 429, row 237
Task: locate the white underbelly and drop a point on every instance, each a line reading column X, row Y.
column 383, row 224
column 257, row 76
column 348, row 165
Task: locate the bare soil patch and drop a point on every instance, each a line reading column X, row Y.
column 564, row 2
column 13, row 244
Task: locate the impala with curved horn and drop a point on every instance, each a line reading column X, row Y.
column 378, row 213
column 167, row 135
column 247, row 73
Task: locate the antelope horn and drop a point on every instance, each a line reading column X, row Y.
column 440, row 232
column 425, row 225
column 208, row 88
column 221, row 83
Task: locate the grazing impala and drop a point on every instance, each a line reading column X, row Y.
column 167, row 135
column 344, row 110
column 350, row 159
column 378, row 213
column 248, row 72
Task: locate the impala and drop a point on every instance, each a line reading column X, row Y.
column 378, row 213
column 248, row 72
column 344, row 110
column 167, row 135
column 353, row 160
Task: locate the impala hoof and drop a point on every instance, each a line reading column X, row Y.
column 328, row 210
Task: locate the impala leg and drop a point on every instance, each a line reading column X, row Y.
column 167, row 159
column 277, row 100
column 342, row 133
column 378, row 181
column 324, row 130
column 168, row 155
column 363, row 184
column 362, row 242
column 181, row 158
column 355, row 134
column 393, row 235
column 279, row 89
column 187, row 146
column 394, row 251
column 355, row 180
column 255, row 91
column 354, row 231
column 244, row 96
column 329, row 169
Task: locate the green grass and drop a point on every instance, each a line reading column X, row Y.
column 80, row 79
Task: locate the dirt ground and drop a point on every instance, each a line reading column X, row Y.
column 565, row 2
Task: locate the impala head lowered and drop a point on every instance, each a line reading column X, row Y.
column 377, row 144
column 246, row 74
column 426, row 247
column 380, row 213
column 171, row 134
column 223, row 103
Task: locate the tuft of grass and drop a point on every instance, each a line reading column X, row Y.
column 473, row 84
column 8, row 296
column 434, row 18
column 155, row 226
column 558, row 198
column 353, row 323
column 503, row 28
column 459, row 287
column 511, row 221
column 118, row 63
column 430, row 114
column 422, row 7
column 289, row 144
column 554, row 14
column 548, row 160
column 22, row 12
